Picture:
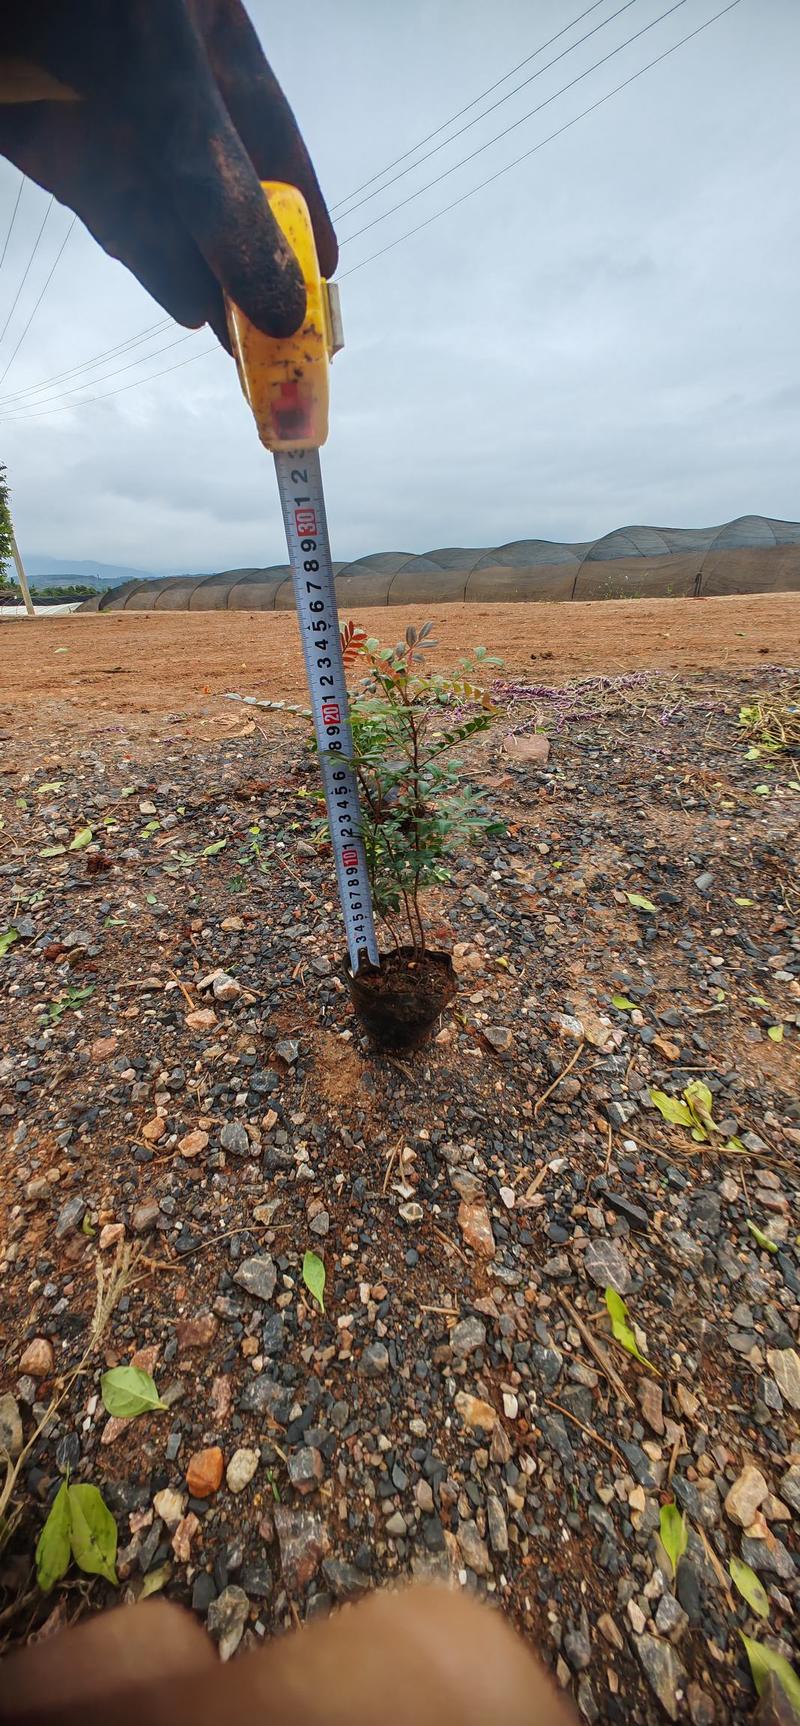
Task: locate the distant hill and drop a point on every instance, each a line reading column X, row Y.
column 83, row 570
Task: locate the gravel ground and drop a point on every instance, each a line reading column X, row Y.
column 181, row 1069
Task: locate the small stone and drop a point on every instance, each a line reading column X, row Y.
column 606, row 1265
column 496, row 1524
column 256, row 1579
column 396, row 1525
column 410, row 1213
column 110, row 1236
column 476, row 1227
column 234, row 1139
column 473, row 1550
column 288, row 1050
column 688, row 1403
column 746, row 1495
column 609, row 1630
column 784, row 1364
column 467, row 1336
column 204, row 1590
column 475, row 1413
column 374, row 1361
column 344, row 1580
column 10, row 1426
column 500, row 1037
column 226, row 1619
column 192, row 1144
column 103, row 1048
column 258, row 1277
column 240, row 1469
column 634, row 1215
column 671, row 1620
column 789, row 1487
column 320, row 1224
column 527, row 746
column 702, row 1707
column 225, row 988
column 202, row 1019
column 774, row 1707
column 303, row 1542
column 154, row 1130
column 650, row 1397
column 636, row 1616
column 170, row 1505
column 664, row 1673
column 145, row 1216
column 305, row 1469
column 204, row 1473
column 196, row 1332
column 183, row 1537
column 37, row 1358
column 70, row 1217
column 221, row 1397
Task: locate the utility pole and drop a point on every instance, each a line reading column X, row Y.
column 21, row 576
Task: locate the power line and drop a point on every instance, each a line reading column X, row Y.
column 495, row 105
column 53, row 266
column 632, row 79
column 337, row 207
column 45, row 412
column 60, row 394
column 13, row 219
column 446, row 172
column 99, row 359
column 540, row 146
column 27, row 267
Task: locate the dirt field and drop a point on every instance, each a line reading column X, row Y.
column 140, row 666
column 186, row 1094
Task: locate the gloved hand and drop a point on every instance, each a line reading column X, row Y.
column 155, row 120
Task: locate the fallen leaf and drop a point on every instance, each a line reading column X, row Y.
column 762, row 1239
column 622, row 1003
column 674, row 1534
column 618, row 1313
column 314, row 1278
column 749, row 1587
column 764, row 1660
column 128, row 1391
column 775, row 1032
column 639, row 903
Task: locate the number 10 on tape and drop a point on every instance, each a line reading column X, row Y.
column 303, row 505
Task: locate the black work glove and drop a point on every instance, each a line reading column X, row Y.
column 155, row 121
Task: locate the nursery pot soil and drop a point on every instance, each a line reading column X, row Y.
column 399, row 1001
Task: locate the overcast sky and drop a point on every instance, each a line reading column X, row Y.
column 608, row 334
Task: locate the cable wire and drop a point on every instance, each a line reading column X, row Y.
column 337, row 207
column 60, row 394
column 9, row 230
column 27, row 267
column 578, row 79
column 137, row 382
column 540, row 146
column 9, row 363
column 86, row 365
column 592, row 108
column 499, row 104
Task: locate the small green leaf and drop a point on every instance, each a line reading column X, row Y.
column 758, row 1001
column 128, row 1391
column 155, row 1580
column 7, row 939
column 314, row 1278
column 55, row 785
column 743, row 901
column 753, row 754
column 776, row 1033
column 622, row 1003
column 87, row 1227
column 93, row 1536
column 213, row 850
column 83, row 837
column 618, row 1314
column 639, row 903
column 52, row 1548
column 674, row 1534
column 764, row 1660
column 672, row 1108
column 749, row 1586
column 760, row 1238
column 54, row 851
column 762, row 790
